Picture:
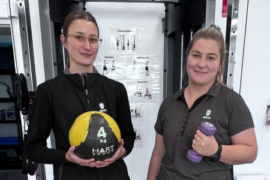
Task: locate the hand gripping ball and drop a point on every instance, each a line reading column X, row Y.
column 95, row 135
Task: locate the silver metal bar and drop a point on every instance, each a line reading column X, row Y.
column 64, row 56
column 25, row 44
column 244, row 48
column 165, row 61
column 210, row 12
column 231, row 34
column 30, row 43
column 181, row 59
column 47, row 39
column 40, row 172
column 165, row 68
column 63, row 52
column 191, row 34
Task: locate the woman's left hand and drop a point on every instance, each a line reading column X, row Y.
column 204, row 145
column 119, row 153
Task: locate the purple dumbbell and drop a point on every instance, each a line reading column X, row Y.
column 209, row 130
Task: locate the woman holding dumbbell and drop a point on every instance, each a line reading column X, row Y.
column 203, row 99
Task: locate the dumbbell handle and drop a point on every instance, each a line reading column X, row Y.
column 208, row 129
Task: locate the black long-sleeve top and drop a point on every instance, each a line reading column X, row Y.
column 58, row 102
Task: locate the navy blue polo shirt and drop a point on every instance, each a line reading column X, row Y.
column 178, row 124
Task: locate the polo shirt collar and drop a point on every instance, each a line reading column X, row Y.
column 214, row 90
column 180, row 94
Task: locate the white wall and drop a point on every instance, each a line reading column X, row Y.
column 147, row 16
column 255, row 83
column 251, row 53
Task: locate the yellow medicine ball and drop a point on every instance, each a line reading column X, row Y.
column 95, row 135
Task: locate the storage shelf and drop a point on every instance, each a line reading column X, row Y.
column 7, row 76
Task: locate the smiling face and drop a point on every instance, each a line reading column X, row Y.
column 81, row 56
column 203, row 62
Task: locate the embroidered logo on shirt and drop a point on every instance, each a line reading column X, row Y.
column 208, row 112
column 101, row 105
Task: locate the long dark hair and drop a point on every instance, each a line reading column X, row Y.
column 70, row 18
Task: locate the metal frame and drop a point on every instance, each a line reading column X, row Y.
column 25, row 31
column 210, row 12
column 182, row 58
column 231, row 34
column 244, row 48
column 28, row 58
column 168, row 66
column 47, row 40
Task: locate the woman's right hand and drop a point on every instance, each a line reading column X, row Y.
column 72, row 157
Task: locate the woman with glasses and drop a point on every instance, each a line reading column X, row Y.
column 203, row 99
column 80, row 88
